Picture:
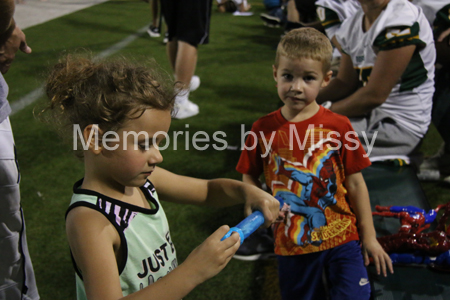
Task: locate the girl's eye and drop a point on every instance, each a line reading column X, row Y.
column 144, row 146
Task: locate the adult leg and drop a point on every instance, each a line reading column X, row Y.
column 154, row 28
column 185, row 62
column 441, row 119
column 381, row 135
column 171, row 50
column 154, row 6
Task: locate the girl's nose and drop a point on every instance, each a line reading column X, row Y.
column 155, row 156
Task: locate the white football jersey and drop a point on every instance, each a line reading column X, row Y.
column 437, row 13
column 333, row 12
column 400, row 24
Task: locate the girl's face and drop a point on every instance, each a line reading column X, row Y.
column 299, row 82
column 131, row 158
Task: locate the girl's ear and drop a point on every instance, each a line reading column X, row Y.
column 92, row 135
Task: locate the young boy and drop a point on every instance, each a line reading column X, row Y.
column 312, row 159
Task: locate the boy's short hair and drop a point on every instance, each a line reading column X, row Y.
column 306, row 43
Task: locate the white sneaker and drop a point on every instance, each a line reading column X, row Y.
column 447, row 179
column 186, row 110
column 153, row 31
column 192, row 105
column 439, row 161
column 195, row 83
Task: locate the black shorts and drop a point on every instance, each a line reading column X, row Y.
column 188, row 20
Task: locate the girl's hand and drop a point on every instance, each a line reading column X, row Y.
column 208, row 259
column 381, row 259
column 257, row 199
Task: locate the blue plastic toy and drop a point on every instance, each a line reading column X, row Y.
column 249, row 224
column 442, row 259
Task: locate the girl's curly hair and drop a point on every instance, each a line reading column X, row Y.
column 83, row 91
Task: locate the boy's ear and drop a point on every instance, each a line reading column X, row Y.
column 274, row 73
column 327, row 78
column 92, row 135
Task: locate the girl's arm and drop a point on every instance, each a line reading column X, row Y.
column 214, row 192
column 360, row 203
column 93, row 241
column 95, row 244
column 389, row 67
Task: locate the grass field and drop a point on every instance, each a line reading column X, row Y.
column 237, row 88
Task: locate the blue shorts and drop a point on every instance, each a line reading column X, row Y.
column 302, row 276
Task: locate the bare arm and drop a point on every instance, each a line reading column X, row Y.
column 343, row 85
column 360, row 203
column 16, row 41
column 94, row 243
column 443, row 48
column 11, row 37
column 249, row 179
column 215, row 192
column 389, row 67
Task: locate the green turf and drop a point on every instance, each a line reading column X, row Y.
column 237, row 88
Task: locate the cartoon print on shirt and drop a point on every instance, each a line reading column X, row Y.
column 317, row 193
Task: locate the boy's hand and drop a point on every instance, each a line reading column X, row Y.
column 257, row 199
column 381, row 259
column 208, row 259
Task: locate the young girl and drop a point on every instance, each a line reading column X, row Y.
column 117, row 229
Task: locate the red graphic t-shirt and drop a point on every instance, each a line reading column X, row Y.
column 305, row 165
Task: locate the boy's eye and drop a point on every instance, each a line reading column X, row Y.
column 287, row 76
column 310, row 78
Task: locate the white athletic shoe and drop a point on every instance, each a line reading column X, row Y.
column 439, row 161
column 153, row 31
column 186, row 110
column 195, row 83
column 192, row 106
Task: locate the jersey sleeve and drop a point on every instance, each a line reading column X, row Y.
column 442, row 21
column 328, row 17
column 250, row 161
column 399, row 36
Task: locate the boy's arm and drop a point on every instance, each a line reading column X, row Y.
column 215, row 192
column 253, row 180
column 360, row 203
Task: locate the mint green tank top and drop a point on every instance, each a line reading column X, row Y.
column 148, row 251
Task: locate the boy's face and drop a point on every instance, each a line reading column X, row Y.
column 299, row 81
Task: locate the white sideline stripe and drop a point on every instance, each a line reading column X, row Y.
column 39, row 92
